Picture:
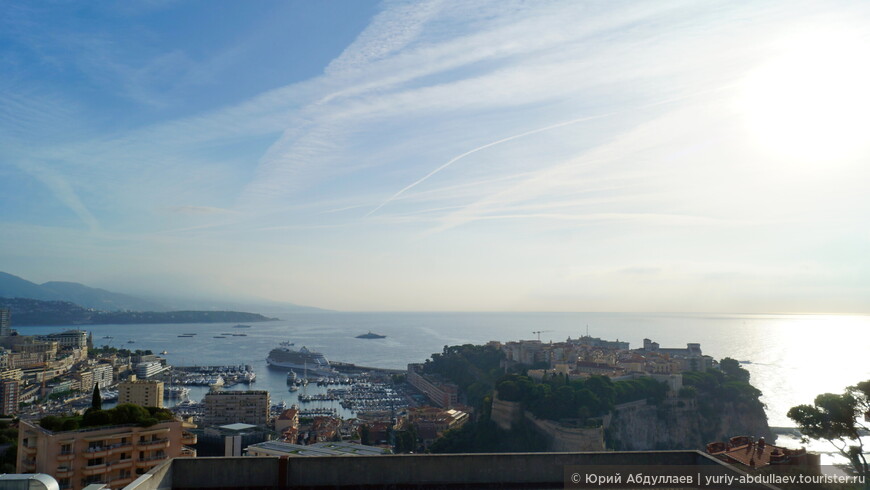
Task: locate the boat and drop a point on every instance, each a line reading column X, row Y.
column 240, row 335
column 242, row 326
column 294, row 388
column 218, row 337
column 131, row 341
column 292, row 377
column 286, row 357
column 163, row 352
column 186, row 336
column 108, row 337
column 371, row 335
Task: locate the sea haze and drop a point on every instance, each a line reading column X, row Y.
column 792, row 358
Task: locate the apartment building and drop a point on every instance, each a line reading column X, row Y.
column 143, row 392
column 112, row 455
column 9, row 396
column 440, row 392
column 229, row 407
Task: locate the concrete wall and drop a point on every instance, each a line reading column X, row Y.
column 564, row 438
column 180, row 473
column 505, row 470
column 505, row 414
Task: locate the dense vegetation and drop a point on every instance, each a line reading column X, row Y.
column 555, row 397
column 484, row 436
column 474, row 368
column 108, row 351
column 729, row 383
column 126, row 413
column 8, row 435
column 841, row 420
column 28, row 312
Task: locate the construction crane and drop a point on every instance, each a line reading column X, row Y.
column 539, row 332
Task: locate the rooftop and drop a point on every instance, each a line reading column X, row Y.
column 319, row 449
column 238, row 427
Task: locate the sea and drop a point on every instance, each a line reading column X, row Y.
column 791, row 358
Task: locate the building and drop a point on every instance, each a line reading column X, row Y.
column 5, row 322
column 113, row 455
column 103, row 375
column 230, row 439
column 149, row 368
column 9, row 396
column 229, row 407
column 143, row 392
column 287, row 424
column 597, row 342
column 442, row 393
column 71, row 339
column 745, row 451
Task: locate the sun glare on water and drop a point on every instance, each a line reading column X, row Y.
column 812, row 102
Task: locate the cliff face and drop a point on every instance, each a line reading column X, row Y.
column 682, row 424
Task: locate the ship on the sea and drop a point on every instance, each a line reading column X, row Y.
column 312, row 363
column 371, row 335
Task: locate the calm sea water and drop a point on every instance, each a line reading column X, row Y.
column 793, row 357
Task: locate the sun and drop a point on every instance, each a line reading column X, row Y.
column 812, row 102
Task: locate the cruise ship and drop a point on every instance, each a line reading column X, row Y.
column 307, row 361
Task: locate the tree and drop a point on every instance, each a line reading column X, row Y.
column 839, row 419
column 364, row 434
column 97, row 400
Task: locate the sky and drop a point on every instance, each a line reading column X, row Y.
column 675, row 156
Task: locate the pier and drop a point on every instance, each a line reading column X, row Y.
column 347, row 367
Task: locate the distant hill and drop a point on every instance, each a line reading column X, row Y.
column 33, row 312
column 88, row 297
column 15, row 287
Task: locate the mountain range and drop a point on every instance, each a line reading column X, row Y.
column 12, row 286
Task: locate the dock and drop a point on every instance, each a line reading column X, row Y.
column 346, row 367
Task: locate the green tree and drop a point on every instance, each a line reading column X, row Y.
column 733, row 369
column 839, row 420
column 96, row 399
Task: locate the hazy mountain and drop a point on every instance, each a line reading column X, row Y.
column 269, row 308
column 88, row 297
column 15, row 287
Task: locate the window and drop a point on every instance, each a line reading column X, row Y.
column 66, row 449
column 95, row 461
column 64, row 483
column 95, row 445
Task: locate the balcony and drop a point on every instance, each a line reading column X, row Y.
column 158, row 444
column 154, row 432
column 97, row 469
column 67, row 456
column 118, row 482
column 187, row 452
column 188, row 438
column 63, row 472
column 99, row 452
column 28, row 464
column 149, row 462
column 119, row 448
column 30, row 450
column 121, row 464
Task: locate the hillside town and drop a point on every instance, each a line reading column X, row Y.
column 53, row 387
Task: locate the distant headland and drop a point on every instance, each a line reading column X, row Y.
column 33, row 312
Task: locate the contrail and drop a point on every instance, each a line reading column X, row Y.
column 488, row 145
column 541, row 130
